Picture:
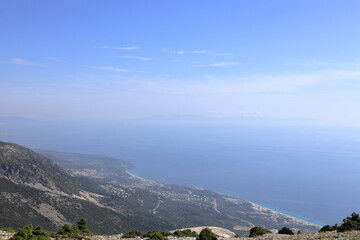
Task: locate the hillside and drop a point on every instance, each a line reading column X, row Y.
column 36, row 191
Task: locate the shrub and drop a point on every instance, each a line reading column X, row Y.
column 76, row 231
column 68, row 230
column 28, row 233
column 83, row 227
column 185, row 233
column 328, row 228
column 133, row 234
column 286, row 230
column 166, row 234
column 258, row 231
column 149, row 234
column 155, row 235
column 207, row 234
column 350, row 223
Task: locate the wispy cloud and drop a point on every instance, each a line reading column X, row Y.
column 121, row 48
column 223, row 54
column 183, row 52
column 321, row 63
column 54, row 59
column 260, row 84
column 113, row 69
column 21, row 61
column 137, row 57
column 223, row 64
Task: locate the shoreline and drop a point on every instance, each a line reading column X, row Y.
column 275, row 209
column 278, row 210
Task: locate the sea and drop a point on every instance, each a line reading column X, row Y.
column 309, row 172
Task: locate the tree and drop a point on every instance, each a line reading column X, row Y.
column 83, row 227
column 185, row 233
column 351, row 223
column 258, row 231
column 76, row 231
column 133, row 234
column 286, row 230
column 67, row 230
column 156, row 235
column 207, row 234
column 328, row 228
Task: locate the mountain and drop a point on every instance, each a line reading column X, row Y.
column 54, row 188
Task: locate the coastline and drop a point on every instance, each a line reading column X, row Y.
column 275, row 209
column 282, row 211
column 137, row 176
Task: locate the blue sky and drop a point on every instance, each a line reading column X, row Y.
column 104, row 60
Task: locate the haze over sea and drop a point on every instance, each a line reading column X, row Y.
column 306, row 171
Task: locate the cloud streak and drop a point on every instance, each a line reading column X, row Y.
column 137, row 57
column 113, row 69
column 22, row 62
column 223, row 64
column 121, row 48
column 54, row 59
column 321, row 64
column 266, row 84
column 184, row 52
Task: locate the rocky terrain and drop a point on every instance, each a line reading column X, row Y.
column 37, row 191
column 354, row 235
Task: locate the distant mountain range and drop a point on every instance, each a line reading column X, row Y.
column 53, row 188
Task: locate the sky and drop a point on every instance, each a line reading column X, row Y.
column 100, row 60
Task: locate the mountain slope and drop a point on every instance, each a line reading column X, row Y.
column 23, row 166
column 36, row 191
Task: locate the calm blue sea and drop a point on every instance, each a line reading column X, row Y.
column 308, row 172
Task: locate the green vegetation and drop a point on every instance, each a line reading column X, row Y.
column 258, row 231
column 155, row 235
column 351, row 223
column 83, row 227
column 207, row 234
column 152, row 235
column 328, row 228
column 166, row 234
column 68, row 230
column 29, row 233
column 133, row 234
column 79, row 231
column 286, row 230
column 185, row 233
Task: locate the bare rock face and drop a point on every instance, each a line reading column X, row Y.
column 23, row 166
